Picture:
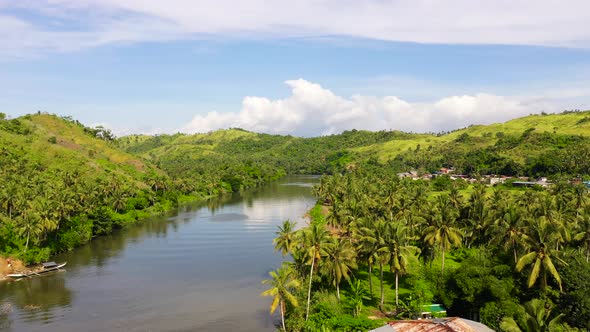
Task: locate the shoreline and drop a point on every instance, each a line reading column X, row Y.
column 22, row 267
column 183, row 202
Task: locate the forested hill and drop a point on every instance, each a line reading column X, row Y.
column 316, row 155
column 63, row 183
column 533, row 145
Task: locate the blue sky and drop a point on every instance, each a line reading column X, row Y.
column 138, row 67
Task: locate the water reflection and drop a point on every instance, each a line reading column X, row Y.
column 177, row 272
column 35, row 298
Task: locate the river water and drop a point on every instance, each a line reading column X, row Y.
column 197, row 269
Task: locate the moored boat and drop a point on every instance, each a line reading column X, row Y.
column 47, row 267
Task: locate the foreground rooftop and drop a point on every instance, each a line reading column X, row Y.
column 448, row 324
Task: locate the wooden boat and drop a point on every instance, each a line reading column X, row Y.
column 47, row 267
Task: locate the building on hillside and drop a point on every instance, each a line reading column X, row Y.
column 445, row 170
column 499, row 179
column 410, row 174
column 448, row 324
column 543, row 182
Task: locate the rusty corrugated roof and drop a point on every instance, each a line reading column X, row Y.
column 452, row 324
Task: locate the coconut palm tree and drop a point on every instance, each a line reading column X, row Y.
column 442, row 231
column 369, row 238
column 314, row 240
column 582, row 233
column 339, row 262
column 399, row 252
column 541, row 236
column 29, row 225
column 508, row 229
column 282, row 284
column 285, row 239
column 536, row 316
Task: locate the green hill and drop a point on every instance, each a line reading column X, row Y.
column 532, row 145
column 63, row 183
column 315, row 155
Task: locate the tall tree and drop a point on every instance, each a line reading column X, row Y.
column 508, row 229
column 314, row 241
column 541, row 236
column 282, row 284
column 442, row 230
column 339, row 262
column 286, row 237
column 29, row 226
column 399, row 252
column 583, row 233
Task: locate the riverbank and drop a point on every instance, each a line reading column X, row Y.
column 16, row 266
column 131, row 280
column 81, row 234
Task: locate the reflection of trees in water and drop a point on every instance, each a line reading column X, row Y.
column 5, row 321
column 100, row 250
column 36, row 297
column 215, row 203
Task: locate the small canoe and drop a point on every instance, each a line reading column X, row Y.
column 47, row 267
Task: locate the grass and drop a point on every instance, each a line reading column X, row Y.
column 565, row 124
column 372, row 306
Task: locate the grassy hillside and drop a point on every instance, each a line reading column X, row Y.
column 293, row 154
column 59, row 144
column 565, row 124
column 532, row 145
column 63, row 184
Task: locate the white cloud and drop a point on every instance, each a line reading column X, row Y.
column 89, row 23
column 312, row 110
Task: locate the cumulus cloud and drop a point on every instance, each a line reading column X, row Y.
column 313, row 110
column 67, row 25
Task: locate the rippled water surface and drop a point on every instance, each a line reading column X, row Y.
column 197, row 270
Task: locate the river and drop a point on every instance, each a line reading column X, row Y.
column 197, row 269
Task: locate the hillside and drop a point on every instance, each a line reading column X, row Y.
column 63, row 144
column 64, row 183
column 315, row 155
column 532, row 145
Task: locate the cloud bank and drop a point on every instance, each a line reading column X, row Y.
column 69, row 25
column 312, row 110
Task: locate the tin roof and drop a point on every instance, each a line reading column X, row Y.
column 450, row 324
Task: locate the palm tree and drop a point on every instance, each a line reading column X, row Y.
column 509, row 226
column 478, row 216
column 536, row 316
column 282, row 284
column 441, row 230
column 399, row 252
column 314, row 240
column 540, row 238
column 583, row 233
column 285, row 239
column 357, row 294
column 29, row 225
column 369, row 236
column 340, row 260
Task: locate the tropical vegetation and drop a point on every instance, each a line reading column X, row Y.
column 499, row 254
